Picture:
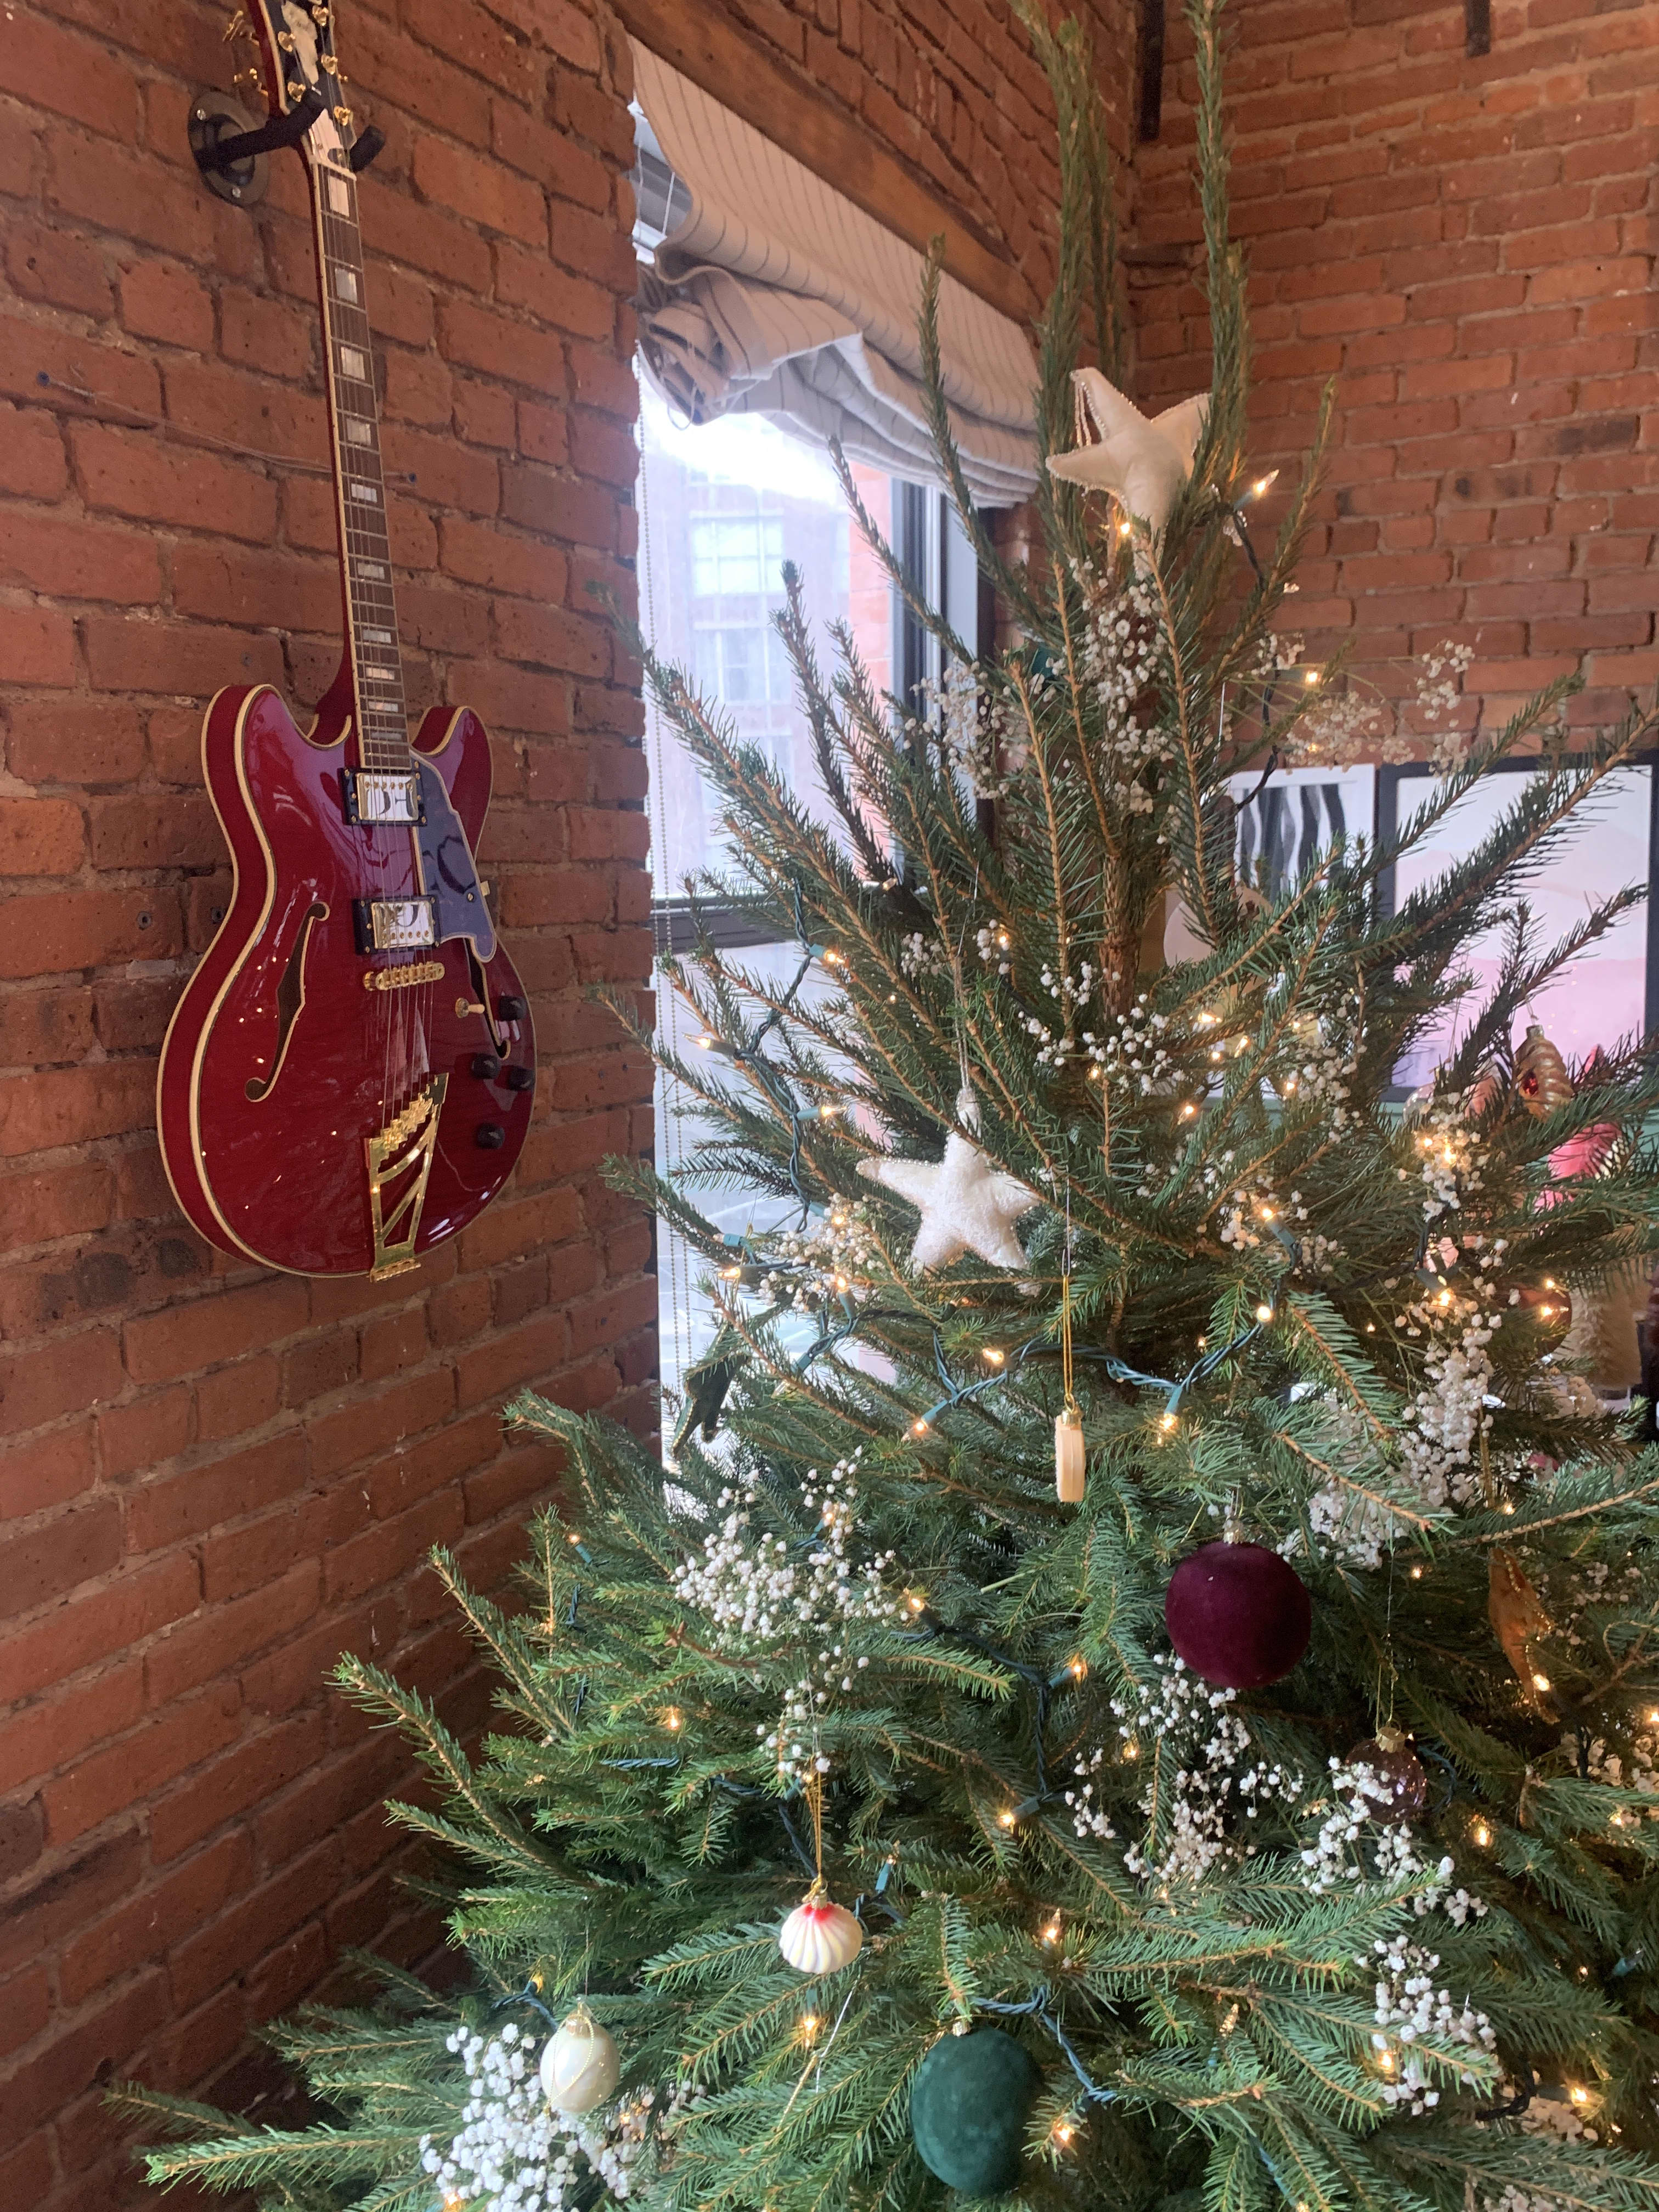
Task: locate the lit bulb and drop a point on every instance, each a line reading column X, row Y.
column 1370, row 1329
column 1063, row 2131
column 1267, row 1213
column 919, row 1426
column 1132, row 1751
column 1002, row 940
column 1051, row 1934
column 1482, row 1834
column 1540, row 1681
column 832, row 959
column 673, row 1719
column 1417, row 1574
column 1168, row 1421
column 705, row 1042
column 573, row 1538
column 1653, row 1717
column 1579, row 2094
column 1079, row 1668
column 1005, row 1819
column 993, row 1355
column 1264, row 1313
column 1311, row 677
column 731, row 1274
column 1124, row 528
column 915, row 1602
column 1508, row 1506
column 1188, row 1111
column 809, row 2025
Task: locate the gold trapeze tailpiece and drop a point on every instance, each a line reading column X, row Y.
column 403, row 1149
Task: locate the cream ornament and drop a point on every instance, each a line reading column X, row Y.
column 966, row 1204
column 580, row 2065
column 819, row 1936
column 1143, row 463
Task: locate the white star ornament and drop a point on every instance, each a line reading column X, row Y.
column 966, row 1204
column 1142, row 464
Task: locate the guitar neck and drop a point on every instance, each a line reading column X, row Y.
column 382, row 727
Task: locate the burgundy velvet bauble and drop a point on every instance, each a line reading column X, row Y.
column 1238, row 1615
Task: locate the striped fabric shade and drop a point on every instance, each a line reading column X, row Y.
column 776, row 295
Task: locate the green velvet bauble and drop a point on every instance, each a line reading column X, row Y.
column 969, row 2107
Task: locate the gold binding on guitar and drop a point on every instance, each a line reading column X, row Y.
column 404, row 1146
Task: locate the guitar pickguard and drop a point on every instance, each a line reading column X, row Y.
column 449, row 874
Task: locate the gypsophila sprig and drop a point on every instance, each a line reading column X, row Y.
column 513, row 2154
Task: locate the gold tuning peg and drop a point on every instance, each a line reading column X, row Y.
column 295, row 91
column 344, row 117
column 236, row 27
column 285, row 40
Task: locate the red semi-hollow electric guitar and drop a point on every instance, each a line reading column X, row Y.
column 348, row 1078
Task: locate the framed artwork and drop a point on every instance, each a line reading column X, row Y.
column 1286, row 823
column 1611, row 991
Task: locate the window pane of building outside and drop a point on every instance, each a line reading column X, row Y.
column 722, row 505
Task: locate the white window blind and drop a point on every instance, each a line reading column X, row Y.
column 775, row 295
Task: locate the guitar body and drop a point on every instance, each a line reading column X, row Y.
column 324, row 1108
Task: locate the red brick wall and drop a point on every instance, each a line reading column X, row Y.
column 1468, row 246
column 214, row 1478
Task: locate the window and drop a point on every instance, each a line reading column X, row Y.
column 723, row 504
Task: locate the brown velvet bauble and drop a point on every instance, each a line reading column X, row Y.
column 1402, row 1787
column 1238, row 1615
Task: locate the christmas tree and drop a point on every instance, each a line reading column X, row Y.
column 1157, row 1700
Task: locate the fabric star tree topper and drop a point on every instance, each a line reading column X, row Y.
column 1143, row 463
column 966, row 1204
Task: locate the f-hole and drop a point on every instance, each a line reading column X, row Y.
column 290, row 997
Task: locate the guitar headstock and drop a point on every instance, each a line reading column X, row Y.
column 301, row 70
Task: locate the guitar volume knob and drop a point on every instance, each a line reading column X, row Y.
column 510, row 1009
column 518, row 1078
column 486, row 1066
column 490, row 1136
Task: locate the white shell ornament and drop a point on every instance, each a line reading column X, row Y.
column 820, row 1937
column 580, row 2065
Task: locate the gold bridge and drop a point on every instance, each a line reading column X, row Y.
column 402, row 1153
column 404, row 979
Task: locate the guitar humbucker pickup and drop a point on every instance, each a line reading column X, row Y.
column 393, row 925
column 371, row 796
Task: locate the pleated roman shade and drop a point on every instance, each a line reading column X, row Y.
column 776, row 295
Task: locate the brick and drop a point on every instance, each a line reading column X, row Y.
column 86, row 2049
column 517, row 351
column 33, row 464
column 55, row 266
column 41, row 837
column 138, row 1763
column 55, row 67
column 141, row 1932
column 250, row 1772
column 482, row 191
column 174, row 1507
column 221, row 1326
column 70, row 1105
column 160, row 301
column 214, row 1643
column 65, row 1376
column 129, row 474
column 203, row 1962
column 37, row 645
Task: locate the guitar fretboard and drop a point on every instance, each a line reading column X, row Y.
column 372, row 614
